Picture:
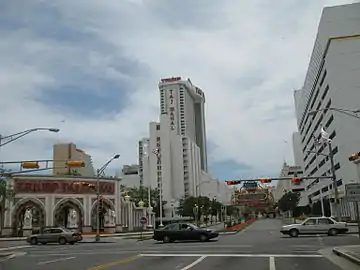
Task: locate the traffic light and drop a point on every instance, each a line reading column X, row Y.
column 296, row 180
column 354, row 156
column 75, row 163
column 30, row 165
column 233, row 182
column 265, row 180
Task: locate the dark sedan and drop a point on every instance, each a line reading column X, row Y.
column 183, row 231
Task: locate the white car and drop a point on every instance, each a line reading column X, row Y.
column 315, row 225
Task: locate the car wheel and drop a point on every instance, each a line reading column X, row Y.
column 166, row 239
column 34, row 241
column 333, row 232
column 294, row 233
column 203, row 238
column 62, row 241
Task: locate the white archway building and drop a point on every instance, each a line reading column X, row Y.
column 50, row 199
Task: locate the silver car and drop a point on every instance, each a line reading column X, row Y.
column 55, row 235
column 315, row 225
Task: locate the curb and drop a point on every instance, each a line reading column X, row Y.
column 94, row 242
column 346, row 256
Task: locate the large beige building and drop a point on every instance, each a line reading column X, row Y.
column 69, row 151
column 332, row 83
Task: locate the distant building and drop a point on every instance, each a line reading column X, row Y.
column 297, row 150
column 129, row 176
column 68, row 151
column 174, row 157
column 284, row 186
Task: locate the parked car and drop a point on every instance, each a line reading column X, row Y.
column 315, row 225
column 55, row 235
column 183, row 231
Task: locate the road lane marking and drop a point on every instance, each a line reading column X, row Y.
column 55, row 261
column 234, row 255
column 109, row 264
column 191, row 265
column 15, row 247
column 272, row 263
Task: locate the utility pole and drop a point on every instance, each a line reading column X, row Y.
column 333, row 174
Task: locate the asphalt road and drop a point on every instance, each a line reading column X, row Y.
column 259, row 247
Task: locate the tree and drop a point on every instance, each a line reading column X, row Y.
column 141, row 194
column 205, row 206
column 289, row 201
column 186, row 207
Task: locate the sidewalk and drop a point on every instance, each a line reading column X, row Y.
column 352, row 253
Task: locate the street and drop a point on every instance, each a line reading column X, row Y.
column 259, row 247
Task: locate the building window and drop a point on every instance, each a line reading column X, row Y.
column 157, row 127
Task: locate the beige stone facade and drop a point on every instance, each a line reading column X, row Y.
column 50, row 200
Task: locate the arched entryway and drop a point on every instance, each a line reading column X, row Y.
column 69, row 213
column 105, row 205
column 37, row 209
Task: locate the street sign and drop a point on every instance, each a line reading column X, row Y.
column 143, row 220
column 250, row 184
column 352, row 192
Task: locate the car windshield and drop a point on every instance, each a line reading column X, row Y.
column 193, row 226
column 65, row 229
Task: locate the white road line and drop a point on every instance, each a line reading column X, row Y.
column 272, row 263
column 236, row 255
column 15, row 247
column 193, row 263
column 54, row 261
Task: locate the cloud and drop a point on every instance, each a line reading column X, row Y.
column 96, row 65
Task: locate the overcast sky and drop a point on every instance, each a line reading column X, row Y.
column 91, row 68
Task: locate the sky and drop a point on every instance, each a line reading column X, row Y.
column 91, row 68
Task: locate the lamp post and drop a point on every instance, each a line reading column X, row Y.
column 198, row 194
column 352, row 113
column 4, row 140
column 99, row 172
column 150, row 208
column 316, row 142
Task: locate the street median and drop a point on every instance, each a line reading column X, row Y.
column 238, row 227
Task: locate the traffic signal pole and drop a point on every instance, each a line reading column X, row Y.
column 333, row 176
column 282, row 178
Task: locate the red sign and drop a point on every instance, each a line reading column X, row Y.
column 60, row 187
column 172, row 79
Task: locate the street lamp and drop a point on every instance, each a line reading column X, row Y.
column 98, row 173
column 198, row 193
column 352, row 113
column 4, row 140
column 333, row 176
column 316, row 143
